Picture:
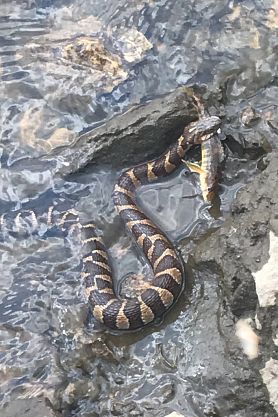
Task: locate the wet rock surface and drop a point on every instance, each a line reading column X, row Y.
column 237, row 251
column 246, row 236
column 31, row 407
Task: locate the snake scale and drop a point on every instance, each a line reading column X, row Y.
column 168, row 273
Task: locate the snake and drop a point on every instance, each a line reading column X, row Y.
column 165, row 286
column 161, row 292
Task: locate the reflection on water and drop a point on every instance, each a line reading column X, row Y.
column 47, row 95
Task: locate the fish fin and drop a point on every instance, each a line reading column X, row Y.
column 195, row 168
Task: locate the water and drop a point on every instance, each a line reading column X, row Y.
column 45, row 347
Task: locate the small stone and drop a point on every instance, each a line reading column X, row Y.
column 133, row 45
column 248, row 116
column 248, row 338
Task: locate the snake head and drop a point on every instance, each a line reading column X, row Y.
column 197, row 132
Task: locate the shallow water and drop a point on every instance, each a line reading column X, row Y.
column 45, row 347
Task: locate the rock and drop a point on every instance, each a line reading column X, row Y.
column 60, row 137
column 31, row 407
column 253, row 123
column 91, row 52
column 33, row 123
column 248, row 116
column 141, row 133
column 132, row 44
column 241, row 250
column 270, row 377
column 248, row 338
column 267, row 278
column 81, row 388
column 241, row 246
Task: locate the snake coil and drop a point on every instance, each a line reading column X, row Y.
column 168, row 274
column 165, row 287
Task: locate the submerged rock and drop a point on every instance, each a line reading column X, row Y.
column 31, row 407
column 91, row 52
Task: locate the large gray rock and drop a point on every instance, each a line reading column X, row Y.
column 241, row 245
column 238, row 252
column 141, row 133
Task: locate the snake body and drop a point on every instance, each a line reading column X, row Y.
column 168, row 274
column 160, row 293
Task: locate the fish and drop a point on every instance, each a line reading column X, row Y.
column 212, row 155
